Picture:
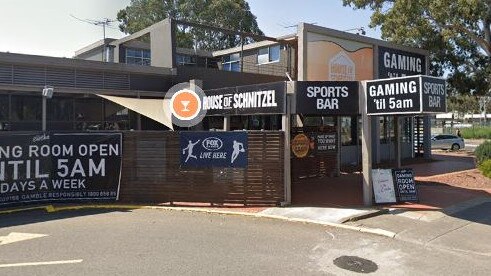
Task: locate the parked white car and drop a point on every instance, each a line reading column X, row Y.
column 447, row 141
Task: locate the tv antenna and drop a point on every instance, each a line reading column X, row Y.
column 105, row 23
column 359, row 31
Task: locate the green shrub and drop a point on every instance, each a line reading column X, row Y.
column 476, row 133
column 483, row 152
column 485, row 168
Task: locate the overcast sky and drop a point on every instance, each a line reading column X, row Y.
column 45, row 27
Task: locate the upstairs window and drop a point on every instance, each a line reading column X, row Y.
column 138, row 56
column 185, row 60
column 232, row 62
column 268, row 54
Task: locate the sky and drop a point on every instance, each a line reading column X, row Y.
column 46, row 27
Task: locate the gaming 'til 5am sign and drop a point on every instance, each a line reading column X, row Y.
column 406, row 95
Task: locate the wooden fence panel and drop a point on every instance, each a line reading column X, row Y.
column 152, row 172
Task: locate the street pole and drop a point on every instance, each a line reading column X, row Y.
column 44, row 114
column 46, row 94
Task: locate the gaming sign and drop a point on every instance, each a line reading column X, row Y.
column 406, row 95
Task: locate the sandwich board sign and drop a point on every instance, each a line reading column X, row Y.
column 406, row 187
column 383, row 186
column 406, row 95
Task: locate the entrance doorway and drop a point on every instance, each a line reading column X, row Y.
column 317, row 175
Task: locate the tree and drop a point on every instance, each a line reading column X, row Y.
column 228, row 14
column 456, row 32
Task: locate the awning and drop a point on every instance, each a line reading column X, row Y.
column 155, row 109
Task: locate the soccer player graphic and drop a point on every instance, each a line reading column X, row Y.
column 189, row 149
column 238, row 148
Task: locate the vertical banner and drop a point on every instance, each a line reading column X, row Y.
column 59, row 167
column 214, row 149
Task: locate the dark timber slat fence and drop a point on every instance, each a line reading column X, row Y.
column 152, row 172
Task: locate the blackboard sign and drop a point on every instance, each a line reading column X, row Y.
column 327, row 97
column 49, row 167
column 267, row 98
column 325, row 142
column 214, row 149
column 394, row 63
column 405, row 185
column 383, row 186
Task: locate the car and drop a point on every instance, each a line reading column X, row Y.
column 447, row 141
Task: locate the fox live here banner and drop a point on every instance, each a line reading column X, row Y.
column 59, row 167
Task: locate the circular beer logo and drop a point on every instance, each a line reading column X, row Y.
column 300, row 145
column 185, row 104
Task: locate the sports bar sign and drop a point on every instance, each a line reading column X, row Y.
column 54, row 167
column 327, row 97
column 406, row 95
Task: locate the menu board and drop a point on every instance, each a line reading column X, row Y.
column 405, row 185
column 383, row 186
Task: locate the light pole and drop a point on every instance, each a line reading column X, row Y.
column 47, row 94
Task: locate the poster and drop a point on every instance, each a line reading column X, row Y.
column 406, row 187
column 59, row 167
column 383, row 186
column 214, row 149
column 326, row 142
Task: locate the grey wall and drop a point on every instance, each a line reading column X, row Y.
column 213, row 78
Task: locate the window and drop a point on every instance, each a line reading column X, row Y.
column 26, row 108
column 387, row 133
column 4, row 107
column 185, row 60
column 138, row 56
column 268, row 54
column 232, row 62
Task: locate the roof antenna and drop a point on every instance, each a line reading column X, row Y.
column 105, row 22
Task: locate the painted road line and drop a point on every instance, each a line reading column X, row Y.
column 41, row 263
column 17, row 237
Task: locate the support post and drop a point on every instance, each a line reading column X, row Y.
column 398, row 147
column 338, row 145
column 226, row 123
column 366, row 148
column 427, row 137
column 286, row 127
column 44, row 114
column 286, row 124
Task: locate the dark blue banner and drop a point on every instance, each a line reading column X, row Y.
column 47, row 167
column 214, row 149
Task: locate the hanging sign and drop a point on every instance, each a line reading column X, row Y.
column 407, row 95
column 59, row 167
column 246, row 100
column 213, row 149
column 406, row 187
column 393, row 63
column 327, row 97
column 434, row 96
column 383, row 186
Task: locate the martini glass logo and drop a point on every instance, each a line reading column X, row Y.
column 185, row 105
column 184, row 102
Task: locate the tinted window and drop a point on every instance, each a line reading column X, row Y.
column 4, row 107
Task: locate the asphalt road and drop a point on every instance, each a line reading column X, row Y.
column 162, row 242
